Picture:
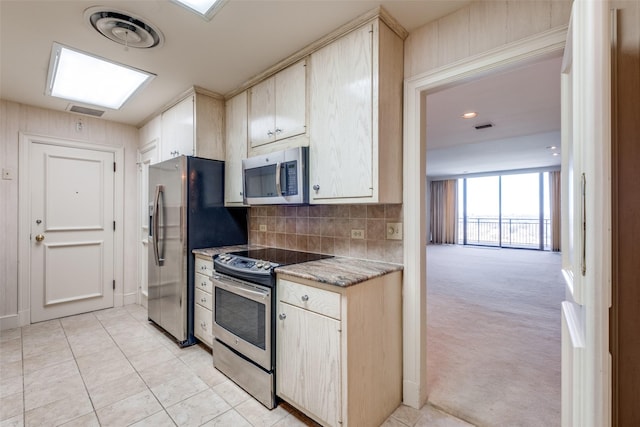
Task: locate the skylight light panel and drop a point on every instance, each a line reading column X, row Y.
column 80, row 77
column 204, row 8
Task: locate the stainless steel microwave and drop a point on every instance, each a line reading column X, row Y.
column 276, row 178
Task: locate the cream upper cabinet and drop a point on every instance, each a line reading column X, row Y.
column 194, row 127
column 277, row 106
column 355, row 118
column 236, row 149
column 339, row 350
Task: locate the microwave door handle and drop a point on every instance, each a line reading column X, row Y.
column 278, row 187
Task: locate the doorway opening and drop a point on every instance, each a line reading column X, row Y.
column 493, row 339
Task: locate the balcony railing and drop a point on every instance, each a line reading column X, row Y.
column 515, row 232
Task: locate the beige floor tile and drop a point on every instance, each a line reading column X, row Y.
column 406, row 415
column 41, row 328
column 229, row 418
column 10, row 385
column 150, row 357
column 432, row 417
column 38, row 346
column 129, row 410
column 164, row 372
column 209, row 374
column 260, row 416
column 88, row 343
column 69, row 387
column 44, row 360
column 393, row 422
column 80, row 324
column 136, row 346
column 11, row 350
column 88, row 420
column 58, row 412
column 159, row 419
column 138, row 312
column 292, row 420
column 102, row 372
column 50, row 375
column 178, row 389
column 11, row 405
column 11, row 369
column 231, row 393
column 10, row 334
column 17, row 421
column 120, row 388
column 198, row 409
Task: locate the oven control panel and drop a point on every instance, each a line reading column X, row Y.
column 243, row 264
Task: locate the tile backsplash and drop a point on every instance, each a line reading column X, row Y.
column 328, row 229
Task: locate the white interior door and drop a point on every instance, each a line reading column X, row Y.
column 72, row 231
column 146, row 156
column 586, row 217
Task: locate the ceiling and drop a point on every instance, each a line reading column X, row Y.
column 242, row 40
column 248, row 36
column 523, row 104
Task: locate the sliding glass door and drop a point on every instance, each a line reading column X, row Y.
column 505, row 211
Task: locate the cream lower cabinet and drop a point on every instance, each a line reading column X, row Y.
column 355, row 118
column 203, row 299
column 339, row 350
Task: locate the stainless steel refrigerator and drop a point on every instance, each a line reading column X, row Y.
column 186, row 212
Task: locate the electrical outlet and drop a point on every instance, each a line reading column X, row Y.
column 7, row 173
column 357, row 234
column 394, row 231
column 263, row 227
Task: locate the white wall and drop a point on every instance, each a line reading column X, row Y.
column 17, row 118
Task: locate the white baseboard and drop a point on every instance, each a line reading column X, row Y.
column 9, row 322
column 130, row 298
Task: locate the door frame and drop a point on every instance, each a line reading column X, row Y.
column 24, row 210
column 539, row 46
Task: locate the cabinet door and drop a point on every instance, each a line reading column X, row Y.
column 308, row 360
column 291, row 100
column 262, row 113
column 178, row 130
column 236, row 149
column 341, row 109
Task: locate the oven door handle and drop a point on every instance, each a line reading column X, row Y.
column 239, row 288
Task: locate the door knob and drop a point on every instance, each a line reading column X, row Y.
column 39, row 237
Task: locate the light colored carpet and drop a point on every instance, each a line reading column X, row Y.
column 493, row 335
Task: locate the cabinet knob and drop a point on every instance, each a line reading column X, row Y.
column 282, row 316
column 203, row 300
column 278, row 130
column 316, row 187
column 269, row 133
column 305, row 298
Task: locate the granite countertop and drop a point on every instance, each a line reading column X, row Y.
column 337, row 271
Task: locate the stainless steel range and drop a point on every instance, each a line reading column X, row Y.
column 244, row 316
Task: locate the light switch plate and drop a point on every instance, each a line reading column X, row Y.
column 263, row 227
column 357, row 234
column 394, row 231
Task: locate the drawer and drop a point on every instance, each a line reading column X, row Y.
column 204, row 266
column 313, row 299
column 202, row 319
column 204, row 299
column 203, row 283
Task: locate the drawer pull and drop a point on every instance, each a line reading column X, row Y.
column 305, row 298
column 282, row 316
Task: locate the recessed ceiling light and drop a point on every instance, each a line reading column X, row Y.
column 470, row 115
column 85, row 78
column 204, row 8
column 551, row 147
column 556, row 154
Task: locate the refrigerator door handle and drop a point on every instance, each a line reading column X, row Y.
column 159, row 258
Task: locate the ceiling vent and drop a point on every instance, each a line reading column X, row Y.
column 123, row 27
column 483, row 126
column 85, row 110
